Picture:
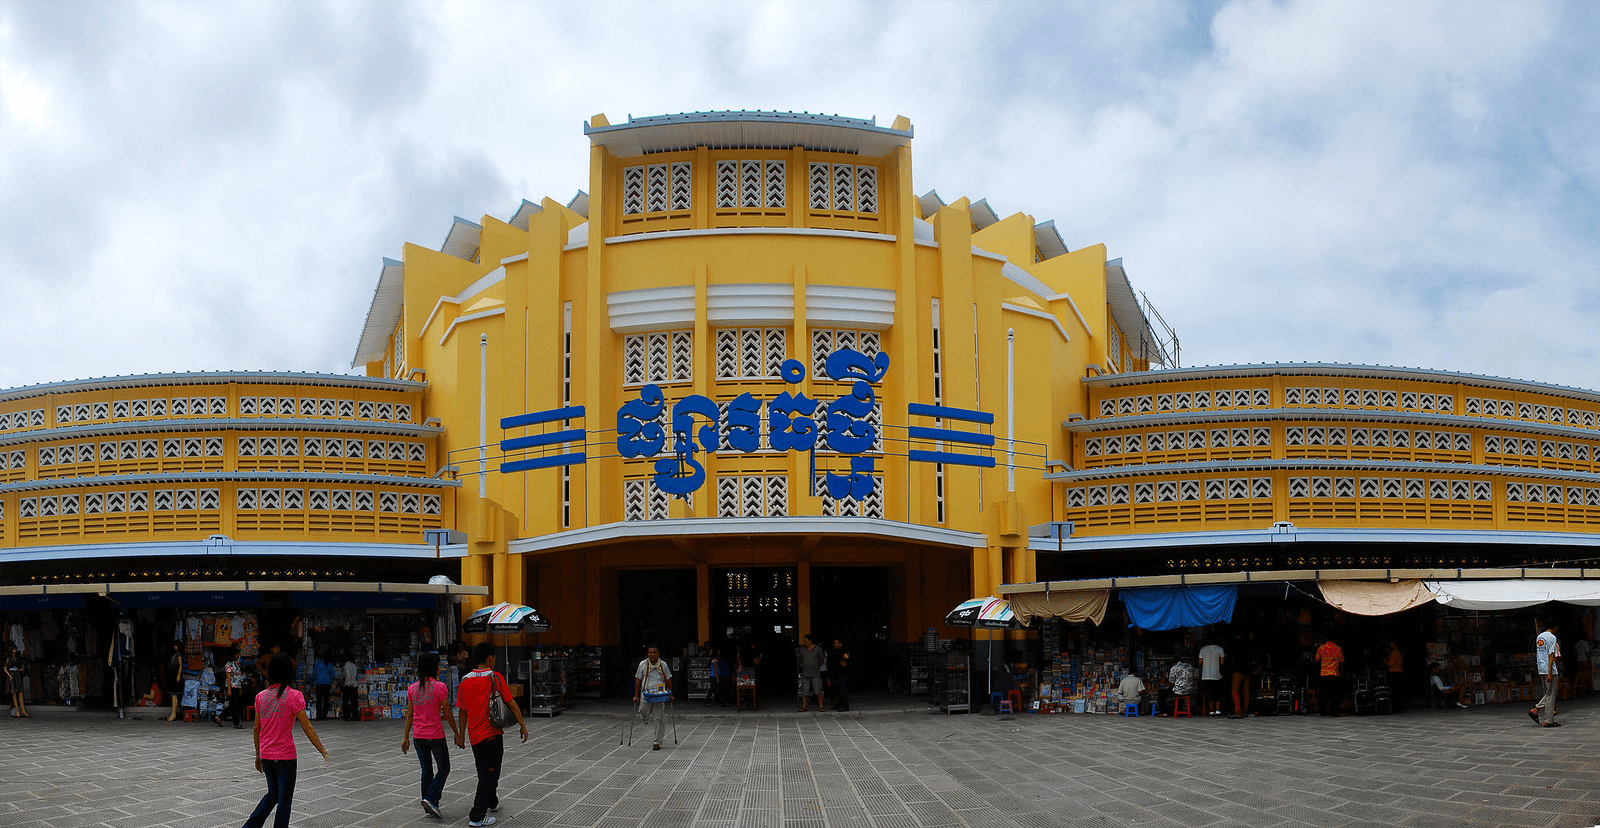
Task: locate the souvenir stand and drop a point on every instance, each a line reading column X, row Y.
column 699, row 673
column 591, row 680
column 988, row 613
column 919, row 674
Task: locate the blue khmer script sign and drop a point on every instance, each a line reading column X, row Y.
column 791, row 419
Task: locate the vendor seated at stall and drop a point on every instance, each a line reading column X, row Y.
column 1132, row 691
column 1437, row 690
column 1182, row 675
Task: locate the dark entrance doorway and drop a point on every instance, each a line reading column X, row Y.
column 853, row 604
column 654, row 607
column 757, row 608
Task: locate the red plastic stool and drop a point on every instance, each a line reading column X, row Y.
column 1015, row 697
column 189, row 714
column 1180, row 707
column 367, row 715
column 250, row 713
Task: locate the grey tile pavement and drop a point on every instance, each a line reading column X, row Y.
column 892, row 765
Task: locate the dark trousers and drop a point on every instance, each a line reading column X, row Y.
column 322, row 700
column 487, row 755
column 1330, row 695
column 432, row 752
column 235, row 705
column 841, row 692
column 349, row 712
column 280, row 794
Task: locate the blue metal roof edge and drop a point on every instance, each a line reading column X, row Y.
column 212, row 378
column 752, row 115
column 1248, row 368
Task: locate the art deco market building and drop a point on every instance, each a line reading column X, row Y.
column 708, row 250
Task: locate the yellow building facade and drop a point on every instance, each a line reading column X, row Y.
column 709, row 249
column 991, row 408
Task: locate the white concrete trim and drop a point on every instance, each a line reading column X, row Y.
column 755, row 303
column 1074, row 305
column 189, row 378
column 715, row 527
column 1344, row 370
column 209, row 549
column 1027, row 311
column 750, row 231
column 1311, row 535
column 220, row 424
column 1349, row 415
column 849, row 306
column 482, row 284
column 1025, row 279
column 651, row 309
column 984, row 254
column 1313, row 464
column 520, row 257
column 163, row 478
column 468, row 318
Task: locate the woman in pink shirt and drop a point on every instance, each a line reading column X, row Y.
column 427, row 706
column 277, row 709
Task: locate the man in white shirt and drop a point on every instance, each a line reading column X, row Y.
column 1211, row 688
column 1546, row 652
column 652, row 688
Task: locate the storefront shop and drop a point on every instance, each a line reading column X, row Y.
column 111, row 645
column 1475, row 628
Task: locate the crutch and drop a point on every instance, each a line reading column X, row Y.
column 672, row 712
column 633, row 714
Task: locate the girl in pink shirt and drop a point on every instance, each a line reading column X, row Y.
column 427, row 708
column 277, row 709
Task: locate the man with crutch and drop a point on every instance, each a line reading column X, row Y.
column 652, row 691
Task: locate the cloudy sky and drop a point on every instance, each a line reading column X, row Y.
column 212, row 186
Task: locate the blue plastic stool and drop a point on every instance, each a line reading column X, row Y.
column 1005, row 707
column 1131, row 709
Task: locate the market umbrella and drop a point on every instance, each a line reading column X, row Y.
column 984, row 613
column 506, row 618
column 989, row 613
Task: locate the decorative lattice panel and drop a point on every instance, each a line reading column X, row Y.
column 655, row 188
column 632, row 191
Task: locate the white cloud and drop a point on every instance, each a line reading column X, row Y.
column 188, row 187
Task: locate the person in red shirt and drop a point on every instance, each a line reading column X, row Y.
column 488, row 748
column 1330, row 684
column 278, row 708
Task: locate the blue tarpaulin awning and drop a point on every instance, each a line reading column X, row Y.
column 1167, row 608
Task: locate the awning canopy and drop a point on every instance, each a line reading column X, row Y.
column 1514, row 593
column 1076, row 605
column 1374, row 597
column 1172, row 607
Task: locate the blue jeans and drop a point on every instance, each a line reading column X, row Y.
column 430, row 751
column 487, row 755
column 280, row 794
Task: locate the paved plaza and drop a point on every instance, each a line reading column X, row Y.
column 884, row 765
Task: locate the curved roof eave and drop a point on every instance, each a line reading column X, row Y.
column 388, row 299
column 1338, row 369
column 209, row 378
column 746, row 129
